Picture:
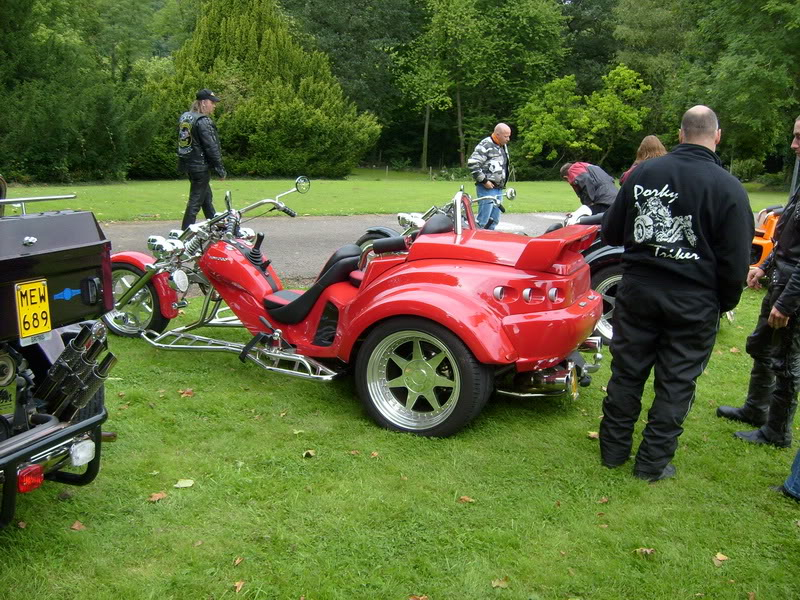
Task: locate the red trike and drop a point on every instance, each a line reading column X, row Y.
column 433, row 321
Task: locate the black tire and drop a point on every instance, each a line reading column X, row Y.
column 370, row 237
column 606, row 283
column 439, row 388
column 142, row 313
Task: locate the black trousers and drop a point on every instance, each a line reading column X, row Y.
column 775, row 376
column 671, row 330
column 199, row 197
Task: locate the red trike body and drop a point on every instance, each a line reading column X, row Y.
column 447, row 278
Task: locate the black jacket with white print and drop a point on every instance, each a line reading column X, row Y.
column 685, row 222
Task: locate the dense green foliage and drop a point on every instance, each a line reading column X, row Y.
column 92, row 88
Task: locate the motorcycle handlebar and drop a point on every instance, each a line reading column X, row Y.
column 289, row 211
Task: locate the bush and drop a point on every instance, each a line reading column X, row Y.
column 747, row 169
column 774, row 180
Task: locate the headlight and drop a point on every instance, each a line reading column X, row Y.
column 247, row 234
column 179, row 280
column 155, row 241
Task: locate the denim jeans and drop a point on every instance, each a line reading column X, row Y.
column 487, row 209
column 792, row 483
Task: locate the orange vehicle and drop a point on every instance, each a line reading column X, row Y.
column 766, row 221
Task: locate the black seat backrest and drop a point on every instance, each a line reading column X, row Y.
column 438, row 223
column 298, row 309
column 346, row 251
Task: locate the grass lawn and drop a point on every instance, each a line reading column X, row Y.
column 366, row 191
column 381, row 515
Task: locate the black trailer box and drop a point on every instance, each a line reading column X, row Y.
column 55, row 269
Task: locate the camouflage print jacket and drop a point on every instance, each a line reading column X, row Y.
column 490, row 162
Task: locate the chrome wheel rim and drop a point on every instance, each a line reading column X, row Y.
column 413, row 380
column 607, row 288
column 137, row 314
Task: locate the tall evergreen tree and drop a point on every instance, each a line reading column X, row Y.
column 283, row 112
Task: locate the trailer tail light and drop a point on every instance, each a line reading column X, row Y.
column 81, row 453
column 29, row 478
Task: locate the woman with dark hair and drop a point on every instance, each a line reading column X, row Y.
column 651, row 147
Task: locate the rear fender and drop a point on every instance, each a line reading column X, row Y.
column 385, row 231
column 166, row 295
column 479, row 328
column 599, row 255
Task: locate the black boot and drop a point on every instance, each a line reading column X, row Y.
column 734, row 413
column 758, row 437
column 669, row 471
column 759, row 393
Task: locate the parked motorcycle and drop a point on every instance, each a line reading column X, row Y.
column 431, row 322
column 410, row 222
column 766, row 222
column 605, row 263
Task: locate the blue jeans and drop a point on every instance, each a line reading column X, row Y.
column 792, row 483
column 487, row 209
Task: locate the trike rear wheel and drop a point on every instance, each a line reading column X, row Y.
column 416, row 376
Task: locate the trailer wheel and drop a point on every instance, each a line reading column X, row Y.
column 415, row 376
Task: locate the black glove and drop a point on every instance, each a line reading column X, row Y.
column 222, row 173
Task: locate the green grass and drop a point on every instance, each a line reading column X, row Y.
column 366, row 191
column 349, row 525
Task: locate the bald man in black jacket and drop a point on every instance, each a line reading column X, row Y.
column 687, row 226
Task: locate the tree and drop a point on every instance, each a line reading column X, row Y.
column 485, row 71
column 562, row 123
column 282, row 113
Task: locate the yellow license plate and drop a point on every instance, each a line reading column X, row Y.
column 33, row 308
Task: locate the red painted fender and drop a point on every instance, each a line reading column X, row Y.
column 470, row 320
column 166, row 295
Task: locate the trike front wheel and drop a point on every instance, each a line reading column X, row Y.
column 415, row 376
column 143, row 312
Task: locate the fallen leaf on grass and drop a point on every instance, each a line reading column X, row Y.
column 604, row 388
column 355, row 452
column 121, row 394
column 238, row 561
column 735, row 350
column 797, row 523
column 22, row 524
column 500, row 583
column 238, row 586
column 282, row 414
column 751, row 596
column 603, row 525
column 155, row 497
column 593, row 435
column 373, row 455
column 198, row 543
column 77, row 526
column 184, row 483
column 645, row 551
column 309, row 454
column 124, row 406
column 417, row 598
column 403, row 477
column 466, row 500
column 297, row 431
column 187, row 393
column 603, row 500
column 718, row 559
column 154, row 472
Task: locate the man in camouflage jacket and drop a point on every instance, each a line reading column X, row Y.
column 489, row 165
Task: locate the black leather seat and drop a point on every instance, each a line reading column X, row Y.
column 290, row 306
